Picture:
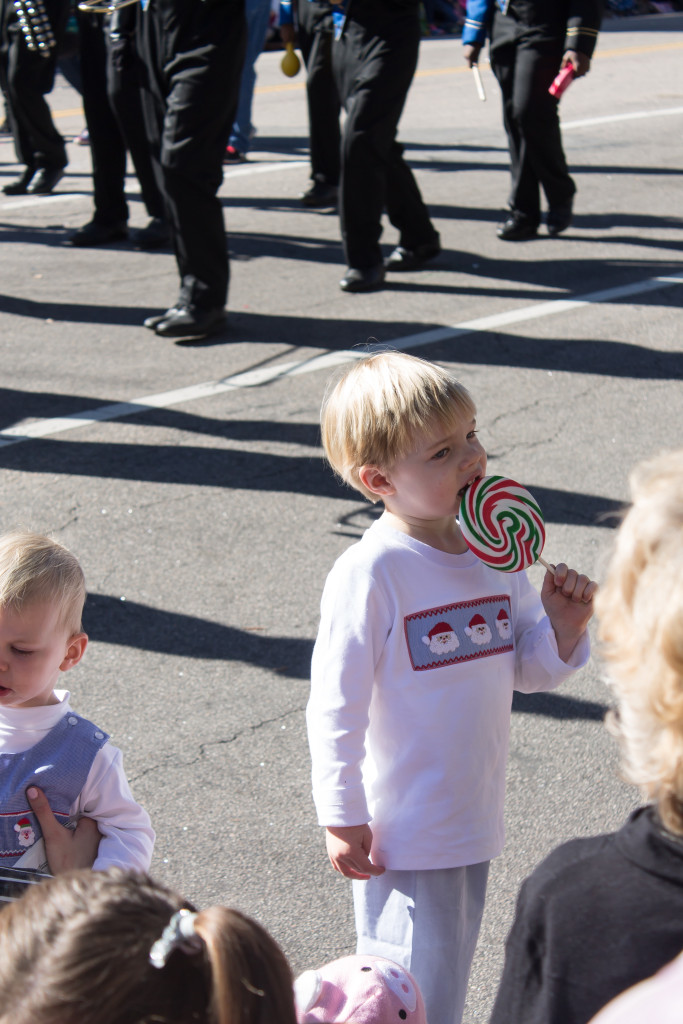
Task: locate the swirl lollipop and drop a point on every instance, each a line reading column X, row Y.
column 502, row 524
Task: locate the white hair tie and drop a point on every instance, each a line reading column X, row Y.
column 179, row 933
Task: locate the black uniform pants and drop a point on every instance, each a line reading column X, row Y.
column 525, row 58
column 315, row 34
column 374, row 63
column 193, row 51
column 112, row 101
column 126, row 76
column 26, row 79
column 107, row 148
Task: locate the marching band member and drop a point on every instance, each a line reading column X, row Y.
column 374, row 56
column 193, row 52
column 315, row 34
column 530, row 41
column 27, row 73
column 112, row 101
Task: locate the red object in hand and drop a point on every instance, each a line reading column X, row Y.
column 562, row 81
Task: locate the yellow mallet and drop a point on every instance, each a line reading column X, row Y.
column 290, row 63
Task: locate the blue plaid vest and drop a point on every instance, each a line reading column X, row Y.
column 59, row 764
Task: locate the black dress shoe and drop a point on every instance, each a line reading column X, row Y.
column 155, row 235
column 412, row 259
column 45, row 181
column 362, row 280
column 517, row 228
column 320, row 194
column 187, row 323
column 93, row 233
column 19, row 187
column 559, row 218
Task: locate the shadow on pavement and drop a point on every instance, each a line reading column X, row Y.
column 555, row 705
column 562, row 355
column 109, row 620
column 246, row 471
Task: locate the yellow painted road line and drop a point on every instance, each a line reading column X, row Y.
column 431, row 72
column 262, row 90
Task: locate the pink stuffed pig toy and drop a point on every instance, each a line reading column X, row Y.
column 359, row 990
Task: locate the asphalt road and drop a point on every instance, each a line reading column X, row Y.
column 189, row 479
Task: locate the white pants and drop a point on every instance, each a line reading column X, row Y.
column 428, row 922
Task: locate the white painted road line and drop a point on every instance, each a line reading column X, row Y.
column 238, row 172
column 268, row 375
column 254, row 168
column 635, row 115
column 33, row 201
column 288, row 165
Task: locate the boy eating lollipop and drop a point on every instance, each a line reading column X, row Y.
column 419, row 649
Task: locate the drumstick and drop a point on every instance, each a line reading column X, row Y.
column 478, row 82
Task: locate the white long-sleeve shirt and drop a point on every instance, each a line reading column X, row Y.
column 413, row 670
column 127, row 835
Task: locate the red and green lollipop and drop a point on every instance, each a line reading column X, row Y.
column 502, row 524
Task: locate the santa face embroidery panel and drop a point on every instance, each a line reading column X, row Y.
column 459, row 632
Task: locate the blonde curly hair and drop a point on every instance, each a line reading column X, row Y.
column 640, row 611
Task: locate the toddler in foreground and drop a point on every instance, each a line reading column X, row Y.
column 116, row 947
column 419, row 649
column 42, row 741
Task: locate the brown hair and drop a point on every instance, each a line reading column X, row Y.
column 75, row 950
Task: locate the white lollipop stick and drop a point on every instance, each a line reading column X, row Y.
column 479, row 84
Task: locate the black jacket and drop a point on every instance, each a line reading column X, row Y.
column 594, row 918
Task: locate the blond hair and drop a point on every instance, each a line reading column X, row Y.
column 76, row 949
column 35, row 568
column 375, row 412
column 640, row 609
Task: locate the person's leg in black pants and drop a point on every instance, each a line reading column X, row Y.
column 315, row 34
column 107, row 146
column 125, row 77
column 525, row 62
column 194, row 59
column 375, row 61
column 153, row 89
column 29, row 77
column 535, row 112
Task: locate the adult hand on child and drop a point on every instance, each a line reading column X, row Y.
column 66, row 849
column 348, row 848
column 567, row 597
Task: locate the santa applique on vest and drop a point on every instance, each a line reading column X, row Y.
column 27, row 836
column 478, row 630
